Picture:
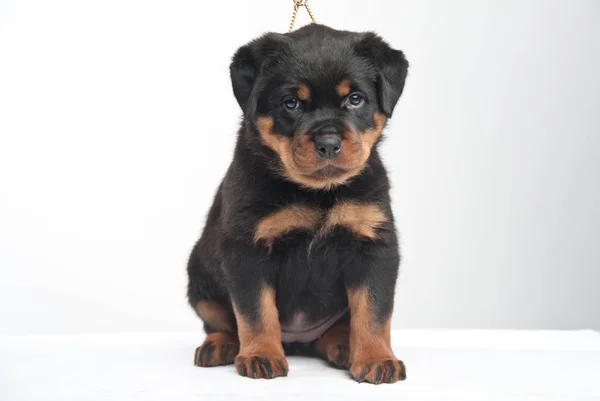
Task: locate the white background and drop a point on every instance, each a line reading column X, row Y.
column 117, row 121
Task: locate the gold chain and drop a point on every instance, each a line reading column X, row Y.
column 297, row 5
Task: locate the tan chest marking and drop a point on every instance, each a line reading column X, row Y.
column 286, row 219
column 363, row 219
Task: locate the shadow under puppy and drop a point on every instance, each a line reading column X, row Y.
column 300, row 245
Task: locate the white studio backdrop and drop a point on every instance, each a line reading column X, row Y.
column 117, row 121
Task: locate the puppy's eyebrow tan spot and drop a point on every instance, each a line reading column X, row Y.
column 343, row 88
column 303, row 92
column 286, row 219
column 363, row 219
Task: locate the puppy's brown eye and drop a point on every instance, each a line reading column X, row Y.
column 355, row 100
column 291, row 103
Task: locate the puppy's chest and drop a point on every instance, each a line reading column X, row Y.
column 362, row 219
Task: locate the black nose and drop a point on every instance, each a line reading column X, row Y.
column 328, row 146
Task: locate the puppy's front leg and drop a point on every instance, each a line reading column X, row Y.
column 261, row 353
column 370, row 283
column 371, row 356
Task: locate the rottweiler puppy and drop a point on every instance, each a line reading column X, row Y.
column 300, row 246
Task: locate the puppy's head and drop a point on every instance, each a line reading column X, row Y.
column 319, row 99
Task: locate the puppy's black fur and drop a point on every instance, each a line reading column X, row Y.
column 314, row 104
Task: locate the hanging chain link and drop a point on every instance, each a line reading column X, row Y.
column 297, row 5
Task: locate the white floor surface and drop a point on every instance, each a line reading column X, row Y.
column 442, row 365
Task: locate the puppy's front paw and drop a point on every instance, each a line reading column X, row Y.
column 261, row 366
column 376, row 372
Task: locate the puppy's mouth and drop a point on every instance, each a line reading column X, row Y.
column 325, row 163
column 329, row 170
column 328, row 160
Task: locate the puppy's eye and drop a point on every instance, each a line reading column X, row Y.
column 355, row 100
column 291, row 103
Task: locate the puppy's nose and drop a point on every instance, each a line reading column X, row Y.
column 328, row 144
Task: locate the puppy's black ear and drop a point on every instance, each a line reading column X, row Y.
column 391, row 66
column 247, row 64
